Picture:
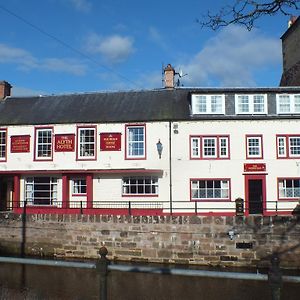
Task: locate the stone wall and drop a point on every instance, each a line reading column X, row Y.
column 164, row 239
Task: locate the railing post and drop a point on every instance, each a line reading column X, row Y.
column 81, row 208
column 275, row 277
column 102, row 267
column 196, row 208
column 23, row 244
column 129, row 208
column 276, row 207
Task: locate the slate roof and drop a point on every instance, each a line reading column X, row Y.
column 117, row 107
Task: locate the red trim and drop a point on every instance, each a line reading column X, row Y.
column 287, row 146
column 255, row 177
column 35, row 158
column 261, row 146
column 6, row 146
column 134, row 212
column 89, row 190
column 145, row 144
column 78, row 172
column 211, row 200
column 65, row 191
column 16, row 193
column 78, row 143
column 217, row 147
column 139, row 195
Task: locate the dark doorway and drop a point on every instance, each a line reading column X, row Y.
column 255, row 196
column 6, row 187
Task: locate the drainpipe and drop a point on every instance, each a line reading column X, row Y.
column 170, row 166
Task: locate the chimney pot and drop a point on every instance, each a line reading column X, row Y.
column 5, row 89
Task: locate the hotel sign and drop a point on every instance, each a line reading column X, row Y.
column 19, row 143
column 110, row 141
column 64, row 142
column 255, row 167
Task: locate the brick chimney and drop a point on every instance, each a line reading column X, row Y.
column 5, row 89
column 169, row 76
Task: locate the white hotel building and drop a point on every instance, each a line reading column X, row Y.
column 172, row 150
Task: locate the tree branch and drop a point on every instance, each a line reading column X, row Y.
column 246, row 12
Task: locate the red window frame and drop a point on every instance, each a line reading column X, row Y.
column 218, row 147
column 38, row 158
column 296, row 199
column 259, row 136
column 287, row 147
column 211, row 199
column 142, row 157
column 86, row 158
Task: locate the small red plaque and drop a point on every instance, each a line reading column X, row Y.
column 20, row 143
column 254, row 167
column 64, row 142
column 110, row 141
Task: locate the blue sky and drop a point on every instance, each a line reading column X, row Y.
column 67, row 46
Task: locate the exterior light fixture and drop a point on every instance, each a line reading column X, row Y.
column 159, row 148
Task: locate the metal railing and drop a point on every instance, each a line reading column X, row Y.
column 138, row 207
column 103, row 266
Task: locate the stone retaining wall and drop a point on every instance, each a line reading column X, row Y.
column 164, row 239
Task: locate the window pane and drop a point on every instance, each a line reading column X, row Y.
column 86, row 142
column 210, row 189
column 44, row 143
column 284, row 104
column 140, row 185
column 294, row 146
column 2, row 144
column 243, row 103
column 258, row 104
column 136, row 141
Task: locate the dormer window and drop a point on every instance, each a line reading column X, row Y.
column 208, row 104
column 251, row 104
column 288, row 104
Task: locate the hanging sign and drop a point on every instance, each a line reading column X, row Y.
column 19, row 143
column 64, row 142
column 110, row 141
column 254, row 167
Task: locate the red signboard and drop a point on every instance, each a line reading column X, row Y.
column 110, row 141
column 20, row 143
column 64, row 142
column 254, row 167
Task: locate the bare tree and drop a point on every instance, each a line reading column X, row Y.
column 246, row 12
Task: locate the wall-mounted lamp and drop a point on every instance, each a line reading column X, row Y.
column 159, row 148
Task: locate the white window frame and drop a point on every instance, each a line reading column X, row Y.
column 293, row 104
column 209, row 107
column 200, row 189
column 79, row 186
column 3, row 144
column 197, row 147
column 31, row 186
column 251, row 104
column 43, row 149
column 84, row 151
column 281, row 147
column 259, row 146
column 293, row 189
column 135, row 142
column 140, row 186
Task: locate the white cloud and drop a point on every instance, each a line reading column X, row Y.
column 114, row 49
column 82, row 5
column 231, row 58
column 157, row 38
column 26, row 61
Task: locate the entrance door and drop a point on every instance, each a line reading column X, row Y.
column 255, row 196
column 255, row 193
column 6, row 187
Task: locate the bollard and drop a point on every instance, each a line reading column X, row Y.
column 102, row 269
column 275, row 277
